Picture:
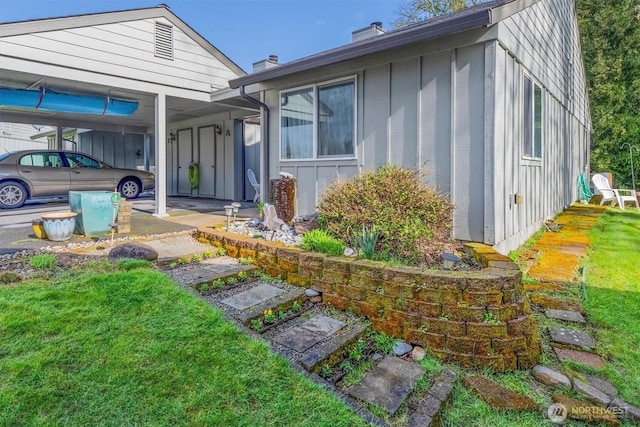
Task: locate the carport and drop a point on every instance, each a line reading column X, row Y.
column 186, row 113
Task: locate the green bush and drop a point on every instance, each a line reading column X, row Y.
column 320, row 241
column 43, row 261
column 8, row 277
column 412, row 220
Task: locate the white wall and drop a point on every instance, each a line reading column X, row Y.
column 17, row 136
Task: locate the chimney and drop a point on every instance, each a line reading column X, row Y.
column 265, row 64
column 375, row 29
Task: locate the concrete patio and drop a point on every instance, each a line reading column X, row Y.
column 185, row 213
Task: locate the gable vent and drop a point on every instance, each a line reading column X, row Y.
column 163, row 41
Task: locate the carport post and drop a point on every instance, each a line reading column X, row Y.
column 161, row 155
column 59, row 142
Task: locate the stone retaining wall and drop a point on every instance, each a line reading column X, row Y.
column 474, row 318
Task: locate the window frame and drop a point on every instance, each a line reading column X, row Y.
column 535, row 87
column 316, row 114
column 61, row 159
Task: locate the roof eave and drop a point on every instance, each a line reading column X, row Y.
column 481, row 18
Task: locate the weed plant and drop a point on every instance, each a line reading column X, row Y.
column 319, row 240
column 366, row 242
column 43, row 261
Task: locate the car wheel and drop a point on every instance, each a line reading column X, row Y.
column 129, row 188
column 12, row 195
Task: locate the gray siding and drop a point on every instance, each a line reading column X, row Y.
column 545, row 41
column 215, row 154
column 118, row 150
column 468, row 144
column 454, row 108
column 409, row 112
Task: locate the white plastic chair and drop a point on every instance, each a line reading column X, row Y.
column 254, row 183
column 613, row 195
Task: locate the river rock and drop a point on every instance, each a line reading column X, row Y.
column 418, row 353
column 400, row 348
column 133, row 251
column 550, row 377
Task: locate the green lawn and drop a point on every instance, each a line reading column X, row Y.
column 613, row 278
column 97, row 346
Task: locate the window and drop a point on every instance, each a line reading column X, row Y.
column 49, row 160
column 80, row 161
column 532, row 116
column 318, row 121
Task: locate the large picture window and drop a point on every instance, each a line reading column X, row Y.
column 318, row 121
column 532, row 116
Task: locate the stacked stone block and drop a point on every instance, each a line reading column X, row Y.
column 123, row 220
column 474, row 318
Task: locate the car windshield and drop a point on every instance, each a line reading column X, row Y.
column 5, row 155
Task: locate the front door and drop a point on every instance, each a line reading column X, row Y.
column 185, row 157
column 207, row 159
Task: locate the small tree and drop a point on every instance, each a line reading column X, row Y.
column 413, row 11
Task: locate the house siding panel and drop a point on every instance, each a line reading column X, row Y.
column 403, row 132
column 435, row 120
column 468, row 140
column 376, row 114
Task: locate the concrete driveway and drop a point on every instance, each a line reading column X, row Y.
column 185, row 213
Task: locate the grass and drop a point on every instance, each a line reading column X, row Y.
column 104, row 346
column 320, row 241
column 613, row 290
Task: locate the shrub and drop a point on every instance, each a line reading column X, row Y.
column 320, row 241
column 8, row 277
column 43, row 261
column 412, row 220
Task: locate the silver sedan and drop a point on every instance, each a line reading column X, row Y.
column 49, row 173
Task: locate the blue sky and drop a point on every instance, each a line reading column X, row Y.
column 244, row 30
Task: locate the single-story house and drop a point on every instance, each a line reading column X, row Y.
column 184, row 110
column 490, row 101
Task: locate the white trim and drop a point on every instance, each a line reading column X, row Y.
column 315, row 89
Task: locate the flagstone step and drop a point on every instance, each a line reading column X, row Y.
column 572, row 338
column 388, row 383
column 544, row 287
column 569, row 355
column 546, row 301
column 207, row 271
column 317, row 339
column 499, row 397
column 566, row 315
column 252, row 300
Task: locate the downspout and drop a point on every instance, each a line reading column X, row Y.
column 265, row 145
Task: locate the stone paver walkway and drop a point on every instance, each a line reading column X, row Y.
column 556, row 271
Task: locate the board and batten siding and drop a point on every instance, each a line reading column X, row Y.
column 542, row 42
column 408, row 113
column 124, row 49
column 116, row 149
